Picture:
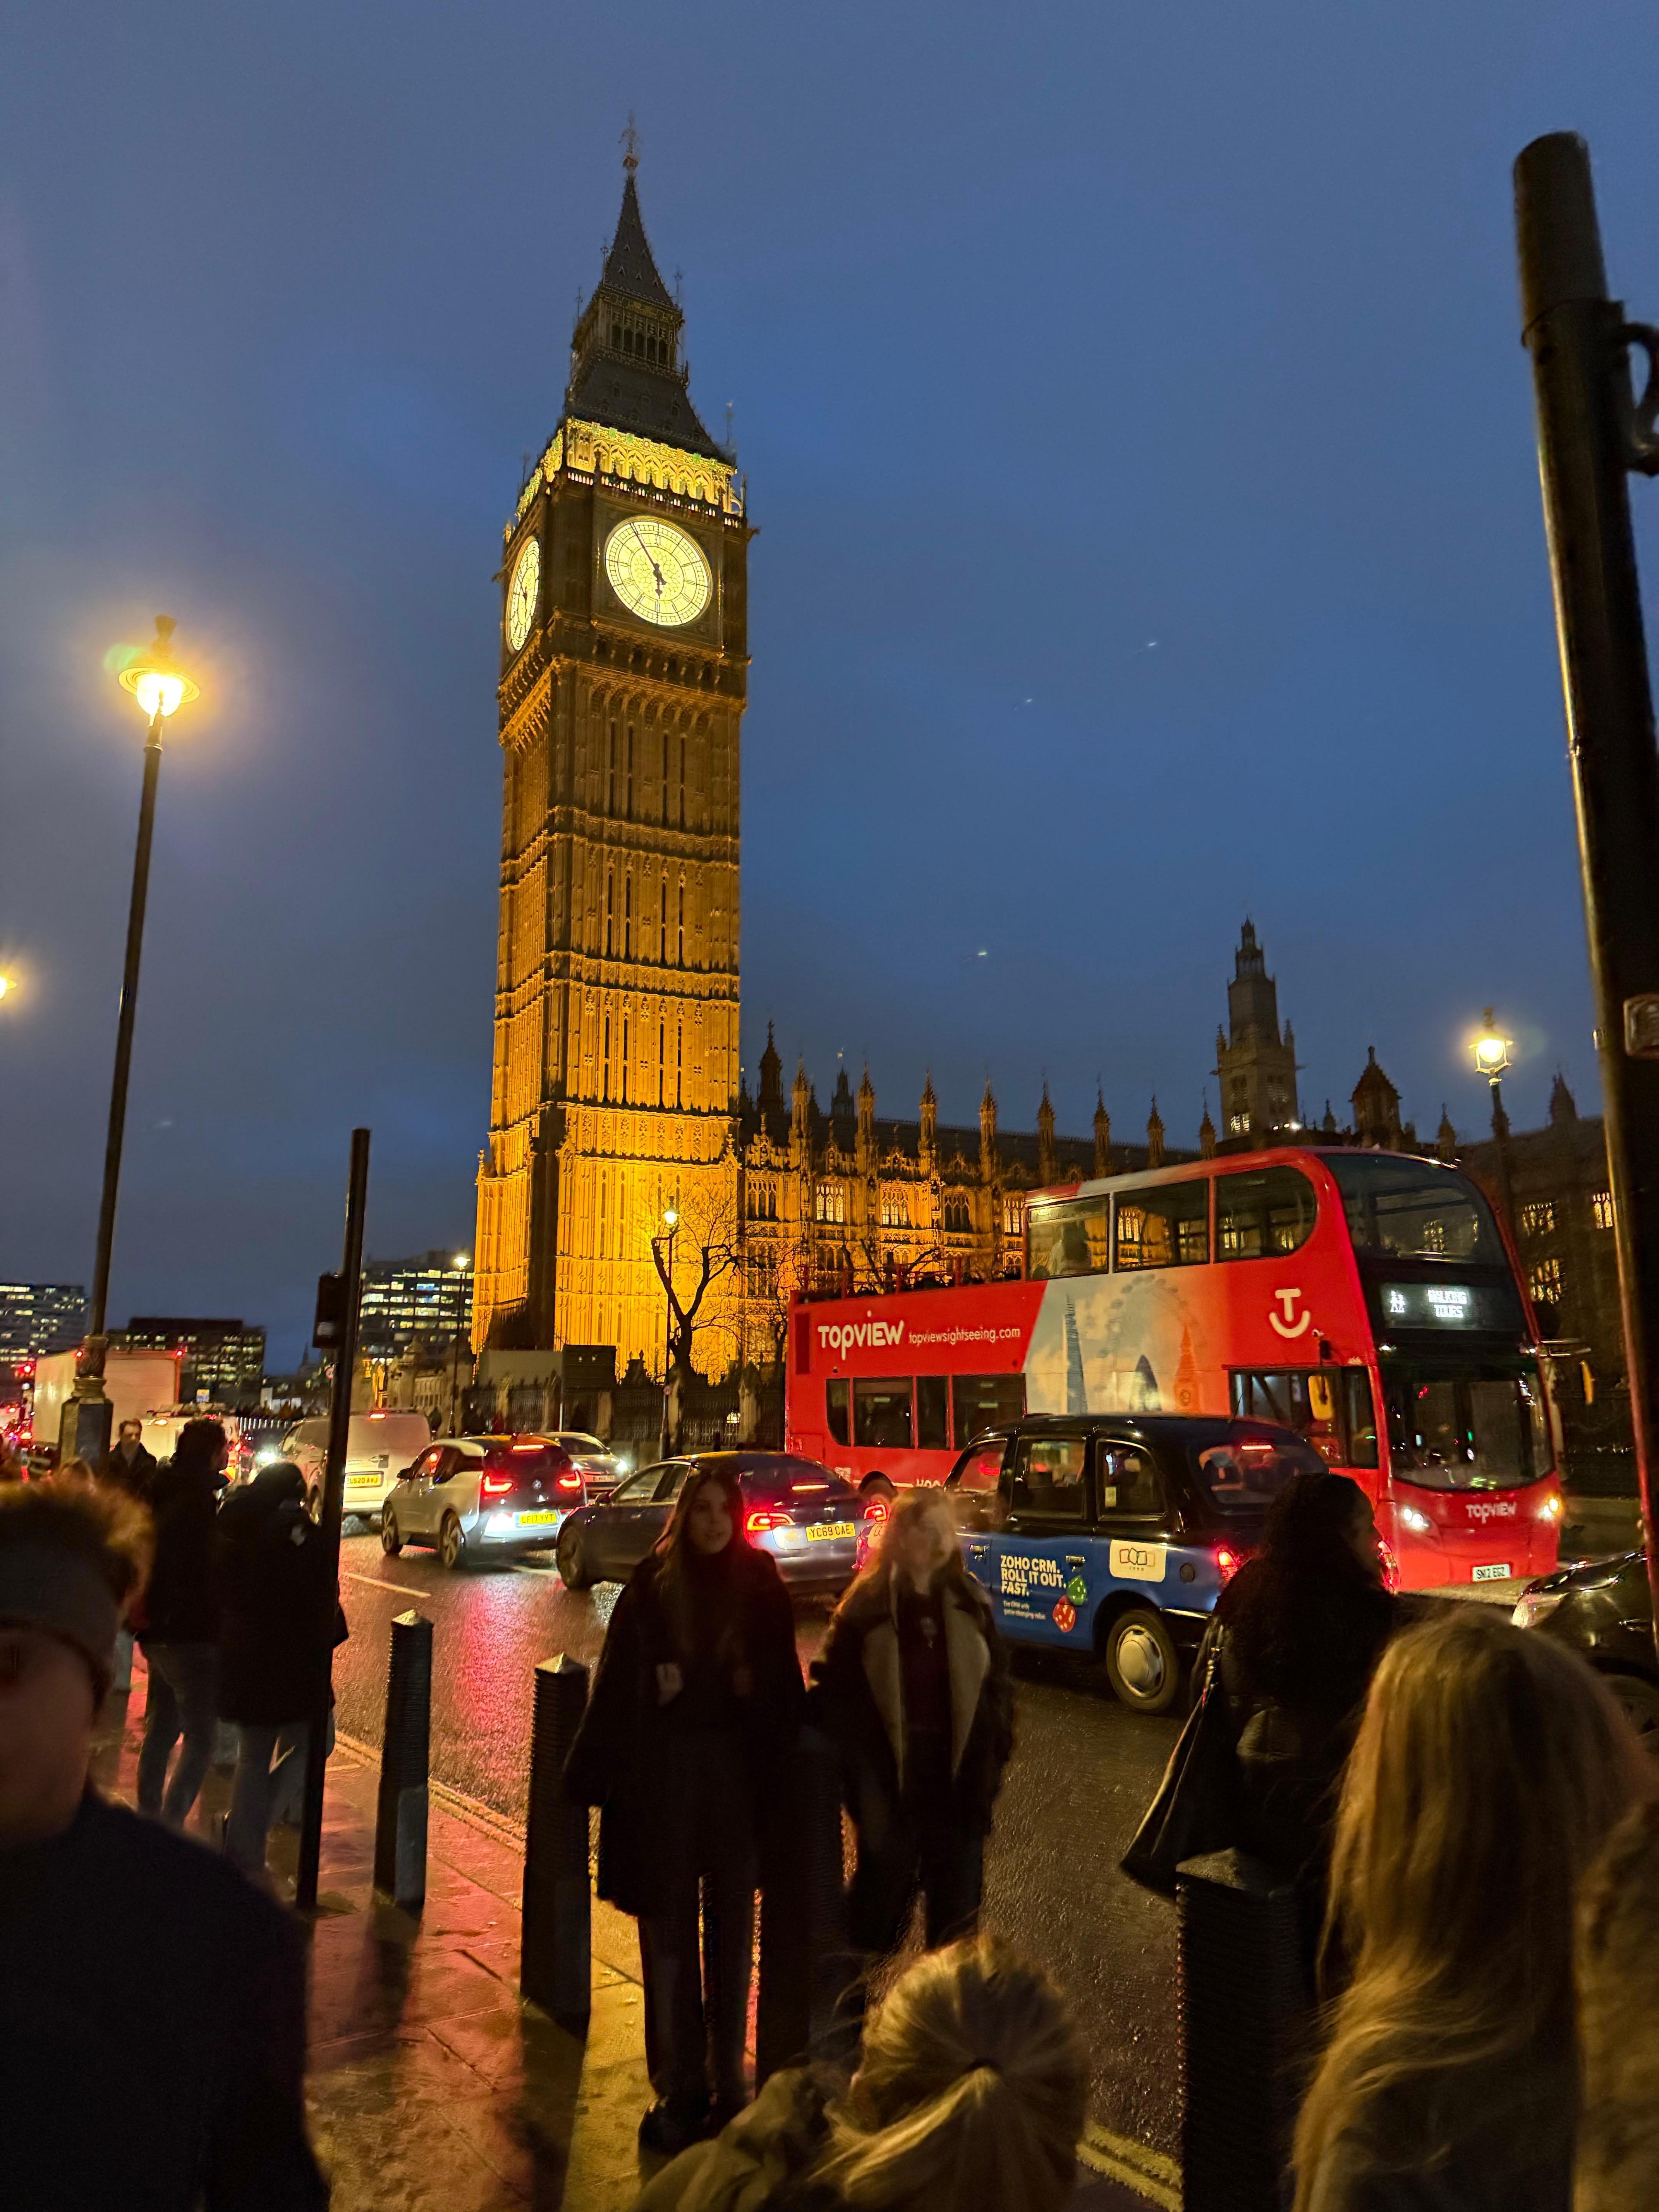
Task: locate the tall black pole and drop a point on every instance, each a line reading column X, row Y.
column 1581, row 377
column 1500, row 1133
column 86, row 1426
column 328, row 1515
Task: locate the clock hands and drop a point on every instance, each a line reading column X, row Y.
column 655, row 570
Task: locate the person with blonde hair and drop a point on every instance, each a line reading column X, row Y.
column 1617, row 2163
column 914, row 1688
column 971, row 2097
column 1490, row 1767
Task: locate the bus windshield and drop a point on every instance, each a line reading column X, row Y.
column 1481, row 1431
column 1408, row 1209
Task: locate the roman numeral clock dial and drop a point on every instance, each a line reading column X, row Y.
column 522, row 593
column 657, row 572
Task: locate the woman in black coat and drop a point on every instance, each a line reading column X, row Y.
column 280, row 1618
column 914, row 1686
column 693, row 1718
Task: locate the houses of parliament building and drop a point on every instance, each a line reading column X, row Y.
column 617, row 1094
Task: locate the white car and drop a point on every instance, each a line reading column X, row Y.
column 378, row 1447
column 472, row 1497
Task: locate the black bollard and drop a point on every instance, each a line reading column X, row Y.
column 1243, row 2014
column 555, row 1960
column 401, row 1814
column 803, row 1961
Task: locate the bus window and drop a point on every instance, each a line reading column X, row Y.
column 1066, row 1236
column 1167, row 1226
column 881, row 1414
column 1467, row 1431
column 986, row 1401
column 834, row 1405
column 1329, row 1405
column 933, row 1413
column 1266, row 1212
column 1049, row 1476
column 1408, row 1209
column 1131, row 1487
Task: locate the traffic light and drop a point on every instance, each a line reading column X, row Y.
column 328, row 1331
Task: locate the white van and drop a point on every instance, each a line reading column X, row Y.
column 378, row 1447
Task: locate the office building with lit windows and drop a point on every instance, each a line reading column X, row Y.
column 428, row 1298
column 38, row 1318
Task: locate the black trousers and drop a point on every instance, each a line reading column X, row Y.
column 939, row 1858
column 697, row 1991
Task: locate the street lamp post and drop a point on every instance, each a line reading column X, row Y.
column 463, row 1261
column 1491, row 1057
column 161, row 688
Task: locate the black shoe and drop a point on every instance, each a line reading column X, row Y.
column 673, row 2125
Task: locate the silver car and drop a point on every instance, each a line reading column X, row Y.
column 600, row 1468
column 476, row 1498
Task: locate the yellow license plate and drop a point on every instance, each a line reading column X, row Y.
column 829, row 1531
column 373, row 1481
column 536, row 1520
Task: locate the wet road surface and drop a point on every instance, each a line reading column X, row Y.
column 1083, row 1771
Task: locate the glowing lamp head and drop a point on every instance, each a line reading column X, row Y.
column 463, row 1260
column 670, row 1219
column 1491, row 1050
column 155, row 678
column 5, row 985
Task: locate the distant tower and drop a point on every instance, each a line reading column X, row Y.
column 1207, row 1135
column 1376, row 1108
column 1047, row 1164
column 1154, row 1138
column 1254, row 1064
column 1445, row 1147
column 1077, row 1393
column 1103, row 1137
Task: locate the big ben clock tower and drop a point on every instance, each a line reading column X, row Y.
column 624, row 665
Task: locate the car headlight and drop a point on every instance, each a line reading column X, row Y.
column 1534, row 1606
column 1418, row 1522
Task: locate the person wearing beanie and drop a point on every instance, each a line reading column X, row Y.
column 142, row 1980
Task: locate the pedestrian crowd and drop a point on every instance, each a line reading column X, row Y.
column 1467, row 1825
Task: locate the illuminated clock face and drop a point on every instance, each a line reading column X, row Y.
column 522, row 593
column 657, row 571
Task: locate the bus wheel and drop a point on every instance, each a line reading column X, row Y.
column 1142, row 1664
column 877, row 1486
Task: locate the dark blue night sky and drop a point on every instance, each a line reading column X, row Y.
column 1135, row 418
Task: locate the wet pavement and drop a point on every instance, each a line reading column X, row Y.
column 1084, row 1770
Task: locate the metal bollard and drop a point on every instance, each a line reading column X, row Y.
column 802, row 1946
column 1243, row 2012
column 401, row 1814
column 555, row 1960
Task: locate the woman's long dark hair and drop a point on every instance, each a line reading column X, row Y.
column 1307, row 1617
column 679, row 1561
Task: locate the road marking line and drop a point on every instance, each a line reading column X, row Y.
column 374, row 1582
column 1137, row 2165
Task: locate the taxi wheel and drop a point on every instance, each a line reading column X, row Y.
column 451, row 1545
column 391, row 1542
column 573, row 1570
column 1142, row 1664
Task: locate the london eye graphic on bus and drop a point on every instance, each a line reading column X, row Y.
column 1116, row 1344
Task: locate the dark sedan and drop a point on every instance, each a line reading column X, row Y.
column 1604, row 1610
column 804, row 1514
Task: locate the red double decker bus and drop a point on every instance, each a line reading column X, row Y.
column 1367, row 1299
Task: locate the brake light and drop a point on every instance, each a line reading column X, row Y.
column 758, row 1523
column 497, row 1486
column 876, row 1509
column 570, row 1482
column 528, row 1448
column 1227, row 1562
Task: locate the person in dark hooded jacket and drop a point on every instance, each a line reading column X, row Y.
column 685, row 1746
column 180, row 1626
column 281, row 1618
